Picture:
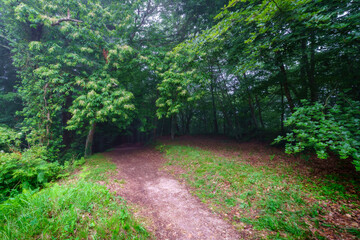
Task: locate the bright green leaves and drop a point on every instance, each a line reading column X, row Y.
column 71, row 57
column 181, row 83
column 101, row 100
column 34, row 45
column 325, row 129
column 27, row 13
column 26, row 170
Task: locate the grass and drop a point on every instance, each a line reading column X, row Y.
column 267, row 199
column 79, row 208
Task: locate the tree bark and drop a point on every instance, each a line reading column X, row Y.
column 188, row 121
column 173, row 126
column 65, row 117
column 36, row 33
column 89, row 140
column 252, row 110
column 286, row 87
column 259, row 110
column 225, row 102
column 251, row 105
column 304, row 70
column 311, row 73
column 216, row 127
column 309, row 67
column 282, row 109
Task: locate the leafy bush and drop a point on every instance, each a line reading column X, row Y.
column 9, row 139
column 27, row 170
column 325, row 128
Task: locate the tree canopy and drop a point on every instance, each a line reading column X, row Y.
column 74, row 74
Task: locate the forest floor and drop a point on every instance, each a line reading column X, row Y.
column 166, row 205
column 216, row 188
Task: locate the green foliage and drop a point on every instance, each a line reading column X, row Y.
column 325, row 128
column 264, row 57
column 9, row 139
column 78, row 210
column 71, row 57
column 26, row 170
column 182, row 81
column 101, row 101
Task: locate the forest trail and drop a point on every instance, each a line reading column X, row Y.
column 162, row 200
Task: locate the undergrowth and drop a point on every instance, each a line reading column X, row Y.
column 77, row 208
column 265, row 198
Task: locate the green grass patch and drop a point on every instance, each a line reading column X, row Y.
column 97, row 168
column 266, row 198
column 78, row 208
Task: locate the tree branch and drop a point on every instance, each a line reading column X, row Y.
column 277, row 5
column 148, row 11
column 5, row 47
column 67, row 19
column 6, row 38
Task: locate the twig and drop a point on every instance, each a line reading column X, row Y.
column 327, row 99
column 4, row 46
column 65, row 20
column 277, row 5
column 6, row 38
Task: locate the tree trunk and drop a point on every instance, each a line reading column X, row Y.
column 173, row 126
column 286, row 87
column 259, row 109
column 282, row 109
column 89, row 140
column 309, row 67
column 36, row 32
column 216, row 127
column 162, row 127
column 155, row 127
column 251, row 105
column 304, row 69
column 65, row 117
column 188, row 121
column 252, row 110
column 311, row 73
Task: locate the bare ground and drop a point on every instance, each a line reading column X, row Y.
column 170, row 210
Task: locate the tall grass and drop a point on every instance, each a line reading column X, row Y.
column 76, row 209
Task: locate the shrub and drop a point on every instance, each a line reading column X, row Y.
column 325, row 128
column 9, row 139
column 27, row 170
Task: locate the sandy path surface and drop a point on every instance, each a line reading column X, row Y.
column 166, row 203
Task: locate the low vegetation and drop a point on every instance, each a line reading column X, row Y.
column 76, row 208
column 276, row 202
column 79, row 77
column 27, row 170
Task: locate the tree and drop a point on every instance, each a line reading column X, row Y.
column 57, row 46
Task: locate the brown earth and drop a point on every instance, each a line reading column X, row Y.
column 169, row 209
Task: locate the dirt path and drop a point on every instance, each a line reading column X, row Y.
column 173, row 212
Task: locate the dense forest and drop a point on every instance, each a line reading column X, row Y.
column 78, row 77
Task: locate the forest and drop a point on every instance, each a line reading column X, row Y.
column 249, row 108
